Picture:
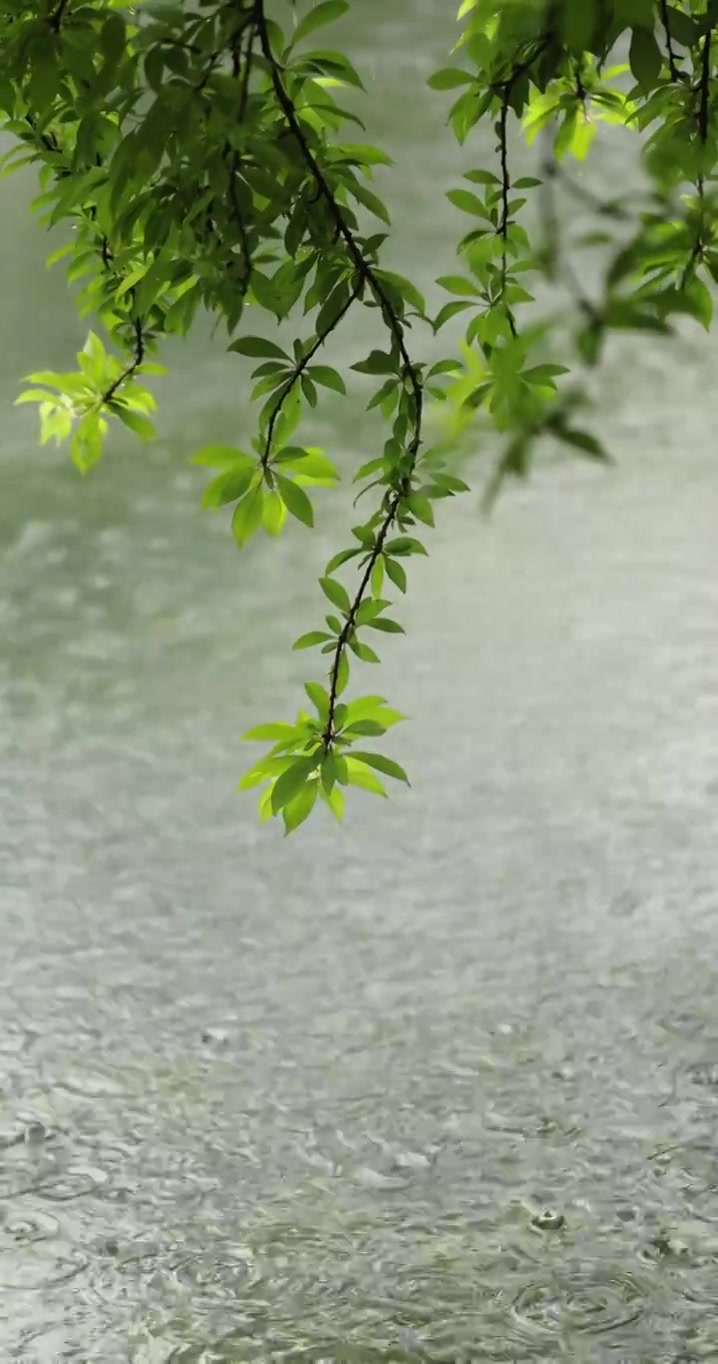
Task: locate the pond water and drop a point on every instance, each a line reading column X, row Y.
column 441, row 1085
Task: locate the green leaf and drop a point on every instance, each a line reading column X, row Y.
column 467, row 202
column 335, row 800
column 585, row 442
column 342, row 674
column 324, row 13
column 390, row 627
column 358, row 774
column 482, row 177
column 142, row 426
column 258, row 346
column 311, row 638
column 364, row 652
column 295, row 500
column 368, row 609
column 636, row 13
column 397, row 574
column 449, row 77
column 291, row 782
column 543, row 374
column 458, row 284
column 405, row 288
column 274, row 513
column 342, row 557
column 450, row 310
column 247, row 517
column 219, row 456
column 336, row 65
column 297, row 810
column 363, row 706
column 332, row 308
column 421, row 507
column 699, row 302
column 369, row 200
column 230, row 485
column 264, row 770
column 318, row 697
column 113, row 37
column 377, row 362
column 365, row 728
column 271, row 732
column 382, row 764
column 404, row 544
column 308, row 464
column 336, row 594
column 330, row 378
column 645, row 58
column 35, row 395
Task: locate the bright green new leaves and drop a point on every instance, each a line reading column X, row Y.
column 302, row 767
column 200, row 158
column 263, row 495
column 76, row 405
column 546, row 66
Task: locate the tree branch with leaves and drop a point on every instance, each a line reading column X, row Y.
column 202, row 160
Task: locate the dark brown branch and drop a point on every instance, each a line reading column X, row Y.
column 676, row 73
column 57, row 15
column 503, row 229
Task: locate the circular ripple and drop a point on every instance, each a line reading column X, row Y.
column 583, row 1302
column 25, row 1226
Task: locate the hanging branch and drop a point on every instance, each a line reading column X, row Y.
column 368, row 277
column 506, row 88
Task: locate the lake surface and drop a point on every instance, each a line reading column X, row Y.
column 441, row 1085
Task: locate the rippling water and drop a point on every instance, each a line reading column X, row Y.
column 443, row 1085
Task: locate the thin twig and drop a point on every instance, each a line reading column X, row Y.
column 704, row 108
column 503, row 228
column 300, row 369
column 703, row 128
column 350, row 623
column 132, row 368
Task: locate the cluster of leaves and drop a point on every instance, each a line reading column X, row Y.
column 201, row 158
